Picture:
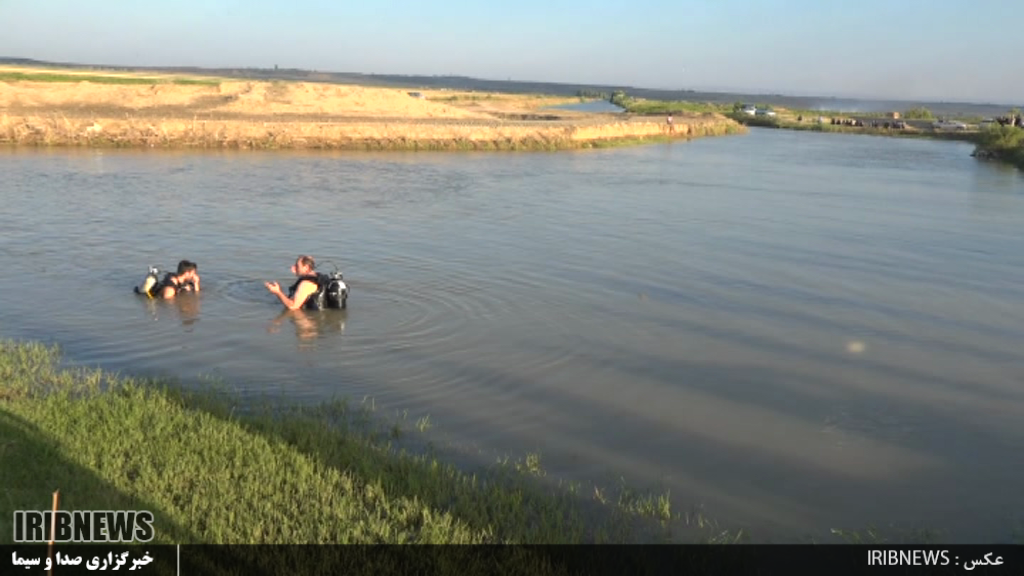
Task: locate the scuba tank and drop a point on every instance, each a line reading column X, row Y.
column 150, row 282
column 336, row 291
column 331, row 290
column 334, row 288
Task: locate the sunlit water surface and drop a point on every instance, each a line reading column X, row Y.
column 793, row 331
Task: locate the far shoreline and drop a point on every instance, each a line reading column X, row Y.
column 131, row 111
column 1000, row 143
column 53, row 107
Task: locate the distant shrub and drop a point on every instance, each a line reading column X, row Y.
column 620, row 98
column 1004, row 143
column 1001, row 138
column 919, row 113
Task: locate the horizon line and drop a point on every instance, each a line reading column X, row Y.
column 509, row 80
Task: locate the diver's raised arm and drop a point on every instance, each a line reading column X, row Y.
column 302, row 292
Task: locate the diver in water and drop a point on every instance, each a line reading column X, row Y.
column 300, row 293
column 186, row 280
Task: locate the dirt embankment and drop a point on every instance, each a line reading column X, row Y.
column 308, row 115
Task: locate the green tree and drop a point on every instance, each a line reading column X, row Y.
column 919, row 113
column 1002, row 139
column 619, row 98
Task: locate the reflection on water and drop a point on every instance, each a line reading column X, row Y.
column 796, row 331
column 310, row 325
column 185, row 308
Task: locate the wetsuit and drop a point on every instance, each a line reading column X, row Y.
column 168, row 281
column 315, row 300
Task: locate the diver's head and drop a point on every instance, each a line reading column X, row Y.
column 303, row 266
column 187, row 269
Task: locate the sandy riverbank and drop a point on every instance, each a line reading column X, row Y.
column 309, row 115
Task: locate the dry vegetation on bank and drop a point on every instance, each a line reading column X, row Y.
column 143, row 111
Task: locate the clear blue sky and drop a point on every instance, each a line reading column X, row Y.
column 968, row 50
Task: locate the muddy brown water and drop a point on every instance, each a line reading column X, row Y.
column 793, row 331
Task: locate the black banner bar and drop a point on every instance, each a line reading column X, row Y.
column 575, row 560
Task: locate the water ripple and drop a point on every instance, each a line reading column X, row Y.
column 682, row 310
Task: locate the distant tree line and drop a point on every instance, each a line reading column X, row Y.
column 919, row 113
column 620, row 98
column 592, row 94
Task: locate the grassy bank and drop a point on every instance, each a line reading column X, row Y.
column 812, row 125
column 214, row 471
column 799, row 119
column 1002, row 143
column 399, row 134
column 645, row 107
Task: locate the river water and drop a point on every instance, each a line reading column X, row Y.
column 793, row 331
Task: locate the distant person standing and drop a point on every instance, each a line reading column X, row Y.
column 671, row 127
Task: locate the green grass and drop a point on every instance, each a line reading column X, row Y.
column 656, row 107
column 645, row 107
column 1003, row 143
column 757, row 121
column 215, row 471
column 814, row 126
column 99, row 79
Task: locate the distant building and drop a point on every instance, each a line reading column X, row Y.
column 894, row 115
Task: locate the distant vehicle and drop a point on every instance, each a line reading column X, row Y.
column 949, row 125
column 764, row 112
column 987, row 123
column 750, row 110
